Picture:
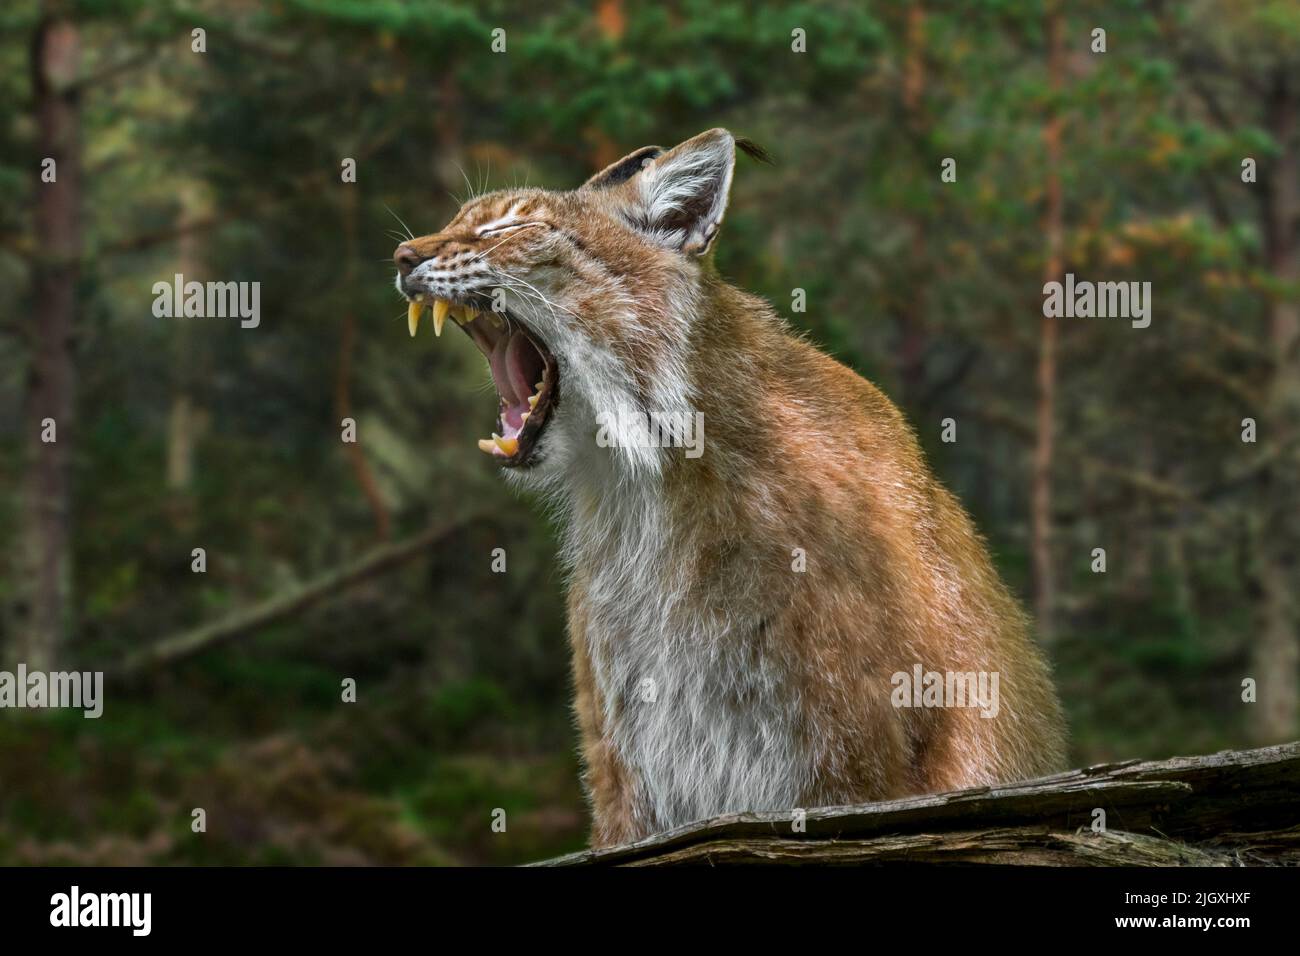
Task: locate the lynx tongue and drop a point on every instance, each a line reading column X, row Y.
column 515, row 366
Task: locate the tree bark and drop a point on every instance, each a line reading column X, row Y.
column 1275, row 655
column 1044, row 433
column 912, row 331
column 1228, row 809
column 184, row 417
column 43, row 573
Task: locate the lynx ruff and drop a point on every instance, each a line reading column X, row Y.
column 771, row 687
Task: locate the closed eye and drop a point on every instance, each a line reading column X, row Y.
column 508, row 227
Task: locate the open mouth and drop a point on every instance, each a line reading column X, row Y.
column 525, row 372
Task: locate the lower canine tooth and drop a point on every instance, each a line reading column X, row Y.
column 484, row 445
column 507, row 445
column 440, row 309
column 413, row 312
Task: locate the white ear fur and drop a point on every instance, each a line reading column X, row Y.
column 682, row 194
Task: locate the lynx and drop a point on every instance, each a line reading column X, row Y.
column 738, row 619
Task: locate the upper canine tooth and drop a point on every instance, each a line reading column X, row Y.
column 413, row 312
column 440, row 309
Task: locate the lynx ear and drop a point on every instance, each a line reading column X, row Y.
column 624, row 169
column 678, row 198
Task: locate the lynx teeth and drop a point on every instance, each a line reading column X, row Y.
column 440, row 309
column 508, row 446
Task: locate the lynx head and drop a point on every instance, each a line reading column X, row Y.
column 583, row 301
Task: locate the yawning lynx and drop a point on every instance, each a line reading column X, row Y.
column 741, row 619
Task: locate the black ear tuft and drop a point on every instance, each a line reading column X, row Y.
column 751, row 148
column 624, row 169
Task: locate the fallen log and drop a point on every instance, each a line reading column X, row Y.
column 322, row 587
column 1234, row 808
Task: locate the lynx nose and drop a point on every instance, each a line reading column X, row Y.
column 407, row 259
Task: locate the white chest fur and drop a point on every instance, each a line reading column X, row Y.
column 697, row 700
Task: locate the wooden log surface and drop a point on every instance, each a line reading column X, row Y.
column 1234, row 808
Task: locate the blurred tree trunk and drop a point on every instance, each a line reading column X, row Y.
column 183, row 421
column 912, row 338
column 1041, row 495
column 1276, row 652
column 611, row 21
column 43, row 572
